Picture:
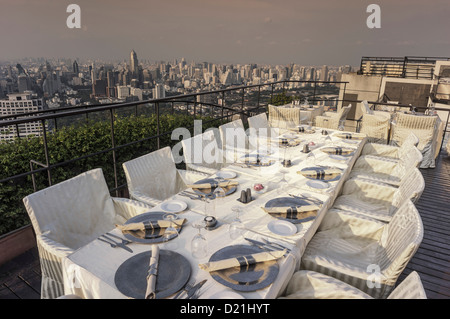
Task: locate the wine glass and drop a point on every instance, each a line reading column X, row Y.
column 341, row 125
column 311, row 159
column 170, row 232
column 283, row 182
column 199, row 244
column 236, row 227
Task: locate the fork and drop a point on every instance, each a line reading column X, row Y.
column 108, row 242
column 185, row 290
column 124, row 241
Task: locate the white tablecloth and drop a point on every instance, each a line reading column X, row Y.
column 89, row 272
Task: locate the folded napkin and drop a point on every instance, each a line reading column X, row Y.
column 350, row 136
column 303, row 129
column 321, row 173
column 209, row 185
column 242, row 261
column 337, row 150
column 152, row 273
column 290, row 142
column 150, row 225
column 292, row 212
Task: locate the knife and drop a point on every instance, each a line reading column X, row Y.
column 121, row 245
column 194, row 289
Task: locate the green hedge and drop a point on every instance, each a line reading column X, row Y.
column 75, row 141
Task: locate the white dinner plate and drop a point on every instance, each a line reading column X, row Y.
column 173, row 206
column 226, row 174
column 317, row 184
column 282, row 227
column 351, row 141
column 339, row 157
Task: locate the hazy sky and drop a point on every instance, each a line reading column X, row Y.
column 332, row 32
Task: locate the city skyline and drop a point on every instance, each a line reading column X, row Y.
column 251, row 31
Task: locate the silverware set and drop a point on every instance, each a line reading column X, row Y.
column 190, row 290
column 108, row 238
column 195, row 196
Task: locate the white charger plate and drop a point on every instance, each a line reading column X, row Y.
column 226, row 174
column 317, row 184
column 282, row 227
column 173, row 206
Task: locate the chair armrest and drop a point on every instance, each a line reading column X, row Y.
column 329, row 114
column 128, row 208
column 190, row 177
column 347, row 224
column 369, row 190
column 145, row 198
column 374, row 165
column 53, row 250
column 200, row 169
column 380, row 150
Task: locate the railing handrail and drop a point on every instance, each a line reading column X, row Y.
column 83, row 109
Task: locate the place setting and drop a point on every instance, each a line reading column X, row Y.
column 154, row 274
column 338, row 150
column 255, row 160
column 289, row 212
column 321, row 173
column 245, row 268
column 350, row 136
column 152, row 227
column 213, row 187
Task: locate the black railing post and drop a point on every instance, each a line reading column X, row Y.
column 157, row 126
column 47, row 161
column 113, row 143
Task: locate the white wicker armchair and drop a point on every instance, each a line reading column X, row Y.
column 284, row 117
column 233, row 141
column 390, row 151
column 68, row 215
column 378, row 200
column 152, row 178
column 365, row 253
column 376, row 124
column 202, row 153
column 307, row 284
column 424, row 127
column 331, row 119
column 385, row 170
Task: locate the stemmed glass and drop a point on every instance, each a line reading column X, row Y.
column 341, row 125
column 311, row 159
column 170, row 232
column 236, row 227
column 283, row 183
column 199, row 245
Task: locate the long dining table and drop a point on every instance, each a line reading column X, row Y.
column 91, row 271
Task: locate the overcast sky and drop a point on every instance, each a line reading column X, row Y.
column 332, row 32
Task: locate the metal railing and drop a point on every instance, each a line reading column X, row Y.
column 234, row 96
column 412, row 67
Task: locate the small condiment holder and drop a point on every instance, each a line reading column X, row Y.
column 246, row 196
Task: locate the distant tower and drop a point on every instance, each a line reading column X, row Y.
column 134, row 64
column 76, row 69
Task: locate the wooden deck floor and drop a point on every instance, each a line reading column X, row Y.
column 20, row 278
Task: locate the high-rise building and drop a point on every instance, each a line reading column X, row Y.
column 75, row 68
column 159, row 91
column 19, row 104
column 134, row 64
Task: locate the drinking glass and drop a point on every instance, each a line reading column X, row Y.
column 199, row 244
column 311, row 159
column 236, row 227
column 341, row 126
column 171, row 232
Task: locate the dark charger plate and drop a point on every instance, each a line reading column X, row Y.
column 174, row 271
column 257, row 276
column 145, row 237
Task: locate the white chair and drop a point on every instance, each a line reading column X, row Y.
column 332, row 120
column 152, row 178
column 376, row 124
column 259, row 125
column 424, row 127
column 233, row 141
column 385, row 170
column 284, row 117
column 365, row 253
column 390, row 151
column 378, row 200
column 306, row 284
column 202, row 153
column 70, row 214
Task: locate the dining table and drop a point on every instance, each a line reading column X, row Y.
column 291, row 172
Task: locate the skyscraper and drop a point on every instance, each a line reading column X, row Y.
column 76, row 69
column 134, row 64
